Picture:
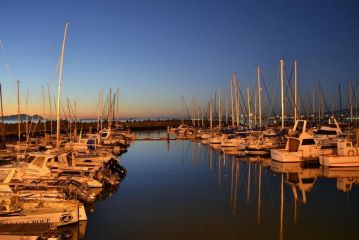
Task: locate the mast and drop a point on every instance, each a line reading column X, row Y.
column 113, row 107
column 69, row 120
column 98, row 111
column 356, row 111
column 226, row 109
column 110, row 110
column 202, row 116
column 219, row 110
column 237, row 91
column 210, row 113
column 255, row 109
column 193, row 118
column 198, row 108
column 27, row 132
column 117, row 105
column 340, row 100
column 319, row 105
column 2, row 146
column 307, row 107
column 51, row 119
column 101, row 109
column 249, row 109
column 232, row 110
column 43, row 107
column 295, row 91
column 18, row 111
column 75, row 118
column 351, row 101
column 313, row 108
column 259, row 96
column 183, row 110
column 59, row 89
column 282, row 89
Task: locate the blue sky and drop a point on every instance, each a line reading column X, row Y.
column 158, row 51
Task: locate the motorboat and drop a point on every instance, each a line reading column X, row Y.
column 347, row 155
column 300, row 146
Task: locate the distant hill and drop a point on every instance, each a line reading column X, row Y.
column 13, row 118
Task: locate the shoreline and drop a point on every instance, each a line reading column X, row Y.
column 38, row 129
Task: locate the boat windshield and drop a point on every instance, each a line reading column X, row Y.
column 30, row 159
column 308, row 141
column 326, row 132
column 300, row 126
column 39, row 161
column 104, row 134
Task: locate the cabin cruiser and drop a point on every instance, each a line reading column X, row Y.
column 217, row 138
column 328, row 134
column 300, row 146
column 109, row 137
column 347, row 155
column 58, row 212
column 204, row 134
column 263, row 144
column 234, row 140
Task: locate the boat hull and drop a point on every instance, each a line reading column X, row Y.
column 339, row 161
column 282, row 155
column 56, row 218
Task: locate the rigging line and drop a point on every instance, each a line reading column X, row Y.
column 72, row 112
column 8, row 65
column 244, row 105
column 64, row 112
column 35, row 127
column 353, row 92
column 324, row 98
column 291, row 103
column 108, row 111
column 184, row 102
column 269, row 99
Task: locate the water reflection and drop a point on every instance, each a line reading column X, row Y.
column 191, row 190
column 296, row 181
column 346, row 176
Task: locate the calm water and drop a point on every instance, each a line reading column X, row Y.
column 187, row 190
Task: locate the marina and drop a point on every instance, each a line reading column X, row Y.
column 192, row 189
column 179, row 120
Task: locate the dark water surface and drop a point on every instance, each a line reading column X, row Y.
column 188, row 190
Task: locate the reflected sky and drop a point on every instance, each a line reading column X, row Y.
column 187, row 190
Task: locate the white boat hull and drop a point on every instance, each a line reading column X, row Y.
column 282, row 155
column 57, row 218
column 339, row 161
